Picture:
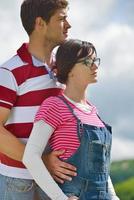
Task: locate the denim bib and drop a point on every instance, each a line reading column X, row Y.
column 92, row 160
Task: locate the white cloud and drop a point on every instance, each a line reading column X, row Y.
column 12, row 33
column 86, row 14
column 116, row 45
column 113, row 93
column 122, row 149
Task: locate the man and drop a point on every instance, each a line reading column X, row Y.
column 25, row 81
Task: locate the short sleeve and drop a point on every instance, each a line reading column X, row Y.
column 8, row 88
column 49, row 111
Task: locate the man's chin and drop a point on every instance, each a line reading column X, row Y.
column 62, row 41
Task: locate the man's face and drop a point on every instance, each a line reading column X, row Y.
column 57, row 28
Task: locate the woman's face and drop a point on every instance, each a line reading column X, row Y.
column 85, row 71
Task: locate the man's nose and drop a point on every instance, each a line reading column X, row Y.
column 67, row 25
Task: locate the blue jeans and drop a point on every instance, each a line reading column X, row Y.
column 41, row 195
column 19, row 189
column 16, row 189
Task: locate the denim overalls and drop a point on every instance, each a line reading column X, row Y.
column 92, row 160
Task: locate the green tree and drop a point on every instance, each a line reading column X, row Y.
column 122, row 170
column 125, row 190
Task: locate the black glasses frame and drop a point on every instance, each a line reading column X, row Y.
column 89, row 62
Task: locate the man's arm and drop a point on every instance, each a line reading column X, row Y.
column 58, row 169
column 9, row 144
column 14, row 148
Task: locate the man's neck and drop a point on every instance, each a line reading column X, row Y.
column 40, row 51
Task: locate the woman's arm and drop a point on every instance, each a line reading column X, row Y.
column 111, row 190
column 32, row 159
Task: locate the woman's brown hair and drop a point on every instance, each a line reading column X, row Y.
column 68, row 54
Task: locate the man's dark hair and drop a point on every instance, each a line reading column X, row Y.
column 31, row 9
column 68, row 54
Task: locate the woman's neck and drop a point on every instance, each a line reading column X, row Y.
column 76, row 95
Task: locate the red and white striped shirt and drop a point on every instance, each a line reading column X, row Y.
column 56, row 113
column 24, row 84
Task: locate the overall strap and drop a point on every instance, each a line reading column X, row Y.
column 79, row 123
column 106, row 125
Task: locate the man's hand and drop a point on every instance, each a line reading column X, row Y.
column 59, row 170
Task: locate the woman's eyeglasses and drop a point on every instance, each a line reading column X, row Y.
column 89, row 62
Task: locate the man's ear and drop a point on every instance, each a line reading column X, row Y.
column 39, row 23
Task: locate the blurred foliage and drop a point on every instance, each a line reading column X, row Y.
column 122, row 170
column 125, row 190
column 122, row 175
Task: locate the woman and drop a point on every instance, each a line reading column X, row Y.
column 71, row 122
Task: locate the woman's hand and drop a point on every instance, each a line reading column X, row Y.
column 73, row 198
column 58, row 169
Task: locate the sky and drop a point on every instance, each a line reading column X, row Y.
column 109, row 25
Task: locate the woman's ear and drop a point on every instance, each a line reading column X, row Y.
column 70, row 74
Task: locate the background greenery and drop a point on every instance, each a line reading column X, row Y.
column 122, row 174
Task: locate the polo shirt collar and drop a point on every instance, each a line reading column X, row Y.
column 37, row 62
column 26, row 57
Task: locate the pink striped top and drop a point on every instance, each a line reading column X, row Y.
column 56, row 113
